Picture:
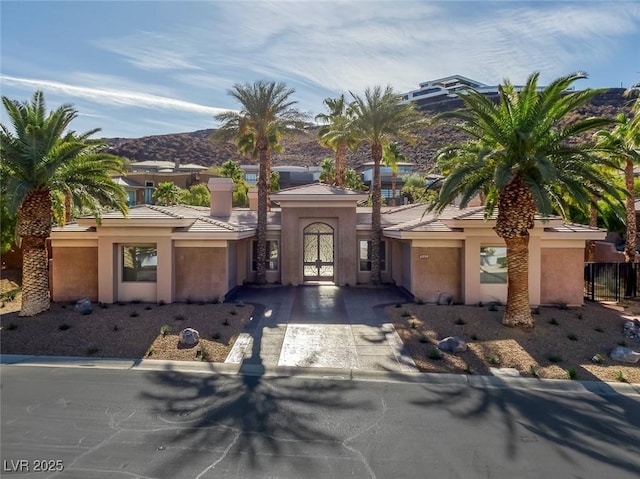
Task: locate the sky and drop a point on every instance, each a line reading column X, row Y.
column 139, row 68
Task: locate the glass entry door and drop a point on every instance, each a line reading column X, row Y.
column 318, row 252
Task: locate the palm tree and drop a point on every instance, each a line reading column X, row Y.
column 353, row 180
column 327, row 171
column 378, row 119
column 267, row 113
column 337, row 133
column 167, row 193
column 622, row 145
column 391, row 157
column 43, row 161
column 522, row 150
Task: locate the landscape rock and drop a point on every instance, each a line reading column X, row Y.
column 627, row 355
column 84, row 306
column 631, row 330
column 189, row 337
column 452, row 344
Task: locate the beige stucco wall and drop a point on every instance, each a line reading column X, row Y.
column 435, row 271
column 342, row 219
column 201, row 273
column 562, row 271
column 74, row 273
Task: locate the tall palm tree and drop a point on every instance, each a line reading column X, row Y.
column 44, row 161
column 267, row 113
column 522, row 150
column 391, row 156
column 378, row 119
column 622, row 145
column 337, row 133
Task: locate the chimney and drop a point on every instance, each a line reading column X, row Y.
column 253, row 199
column 221, row 190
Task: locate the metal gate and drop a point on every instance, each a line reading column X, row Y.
column 318, row 253
column 610, row 281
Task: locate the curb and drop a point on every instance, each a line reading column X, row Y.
column 256, row 369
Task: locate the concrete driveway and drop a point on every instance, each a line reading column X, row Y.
column 322, row 326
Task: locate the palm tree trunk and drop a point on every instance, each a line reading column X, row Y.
column 632, row 232
column 518, row 312
column 67, row 208
column 394, row 175
column 516, row 213
column 34, row 227
column 263, row 193
column 591, row 244
column 341, row 160
column 376, row 231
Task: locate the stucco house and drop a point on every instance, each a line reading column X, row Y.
column 316, row 234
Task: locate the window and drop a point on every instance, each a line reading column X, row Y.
column 251, row 177
column 365, row 255
column 139, row 263
column 493, row 265
column 131, row 198
column 272, row 255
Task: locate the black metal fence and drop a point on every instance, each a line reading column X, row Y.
column 611, row 281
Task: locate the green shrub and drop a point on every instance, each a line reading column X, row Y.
column 555, row 358
column 571, row 373
column 165, row 330
column 621, row 377
column 435, row 354
column 493, row 358
column 64, row 327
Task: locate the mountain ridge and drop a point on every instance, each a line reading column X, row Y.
column 302, row 149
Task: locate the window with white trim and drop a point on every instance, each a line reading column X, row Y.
column 139, row 263
column 272, row 255
column 493, row 265
column 364, row 255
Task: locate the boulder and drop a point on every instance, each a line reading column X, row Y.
column 189, row 337
column 83, row 306
column 452, row 344
column 627, row 355
column 631, row 330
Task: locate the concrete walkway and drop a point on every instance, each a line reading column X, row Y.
column 321, row 326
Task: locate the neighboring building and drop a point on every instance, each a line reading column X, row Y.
column 317, row 234
column 144, row 176
column 290, row 176
column 447, row 88
column 366, row 171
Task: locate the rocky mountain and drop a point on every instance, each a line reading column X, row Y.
column 303, row 149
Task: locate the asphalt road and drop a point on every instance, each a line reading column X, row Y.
column 98, row 423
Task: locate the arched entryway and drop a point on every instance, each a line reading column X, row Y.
column 318, row 253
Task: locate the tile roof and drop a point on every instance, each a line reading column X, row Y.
column 407, row 218
column 315, row 189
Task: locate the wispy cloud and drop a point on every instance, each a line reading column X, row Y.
column 113, row 97
column 152, row 50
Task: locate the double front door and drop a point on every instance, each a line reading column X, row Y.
column 318, row 252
